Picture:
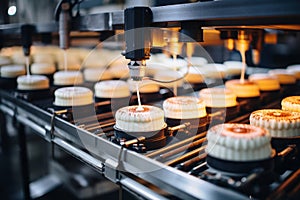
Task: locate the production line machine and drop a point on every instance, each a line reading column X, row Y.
column 179, row 169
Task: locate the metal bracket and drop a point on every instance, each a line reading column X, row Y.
column 110, row 170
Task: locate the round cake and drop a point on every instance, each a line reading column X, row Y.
column 291, row 103
column 68, row 78
column 294, row 69
column 12, row 71
column 268, row 85
column 238, row 142
column 234, row 68
column 169, row 75
column 130, row 119
column 42, row 68
column 194, row 75
column 112, row 89
column 32, row 82
column 213, row 70
column 95, row 74
column 73, row 62
column 265, row 82
column 248, row 94
column 119, row 71
column 218, row 97
column 243, row 90
column 43, row 58
column 184, row 107
column 280, row 123
column 284, row 77
column 197, row 61
column 73, row 96
column 4, row 61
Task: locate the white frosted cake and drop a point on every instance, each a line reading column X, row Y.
column 169, row 75
column 4, row 61
column 233, row 67
column 218, row 97
column 197, row 61
column 131, row 119
column 238, row 142
column 184, row 107
column 112, row 89
column 96, row 74
column 68, row 78
column 32, row 82
column 42, row 68
column 280, row 123
column 291, row 103
column 145, row 86
column 73, row 96
column 213, row 70
column 12, row 71
column 193, row 76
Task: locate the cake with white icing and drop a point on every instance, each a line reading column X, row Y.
column 33, row 82
column 291, row 103
column 42, row 68
column 218, row 97
column 68, row 78
column 238, row 142
column 294, row 69
column 131, row 119
column 279, row 123
column 96, row 74
column 112, row 89
column 73, row 96
column 184, row 107
column 12, row 71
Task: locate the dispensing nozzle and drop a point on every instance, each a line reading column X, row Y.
column 63, row 16
column 242, row 43
column 138, row 40
column 27, row 31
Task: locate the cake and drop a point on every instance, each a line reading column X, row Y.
column 96, row 74
column 269, row 86
column 4, row 61
column 238, row 142
column 73, row 96
column 186, row 109
column 265, row 82
column 43, row 58
column 32, row 82
column 169, row 75
column 130, row 119
column 119, row 71
column 9, row 74
column 63, row 78
column 213, row 70
column 279, row 123
column 291, row 103
column 248, row 94
column 42, row 68
column 197, row 61
column 12, row 71
column 112, row 89
column 218, row 97
column 294, row 69
column 220, row 100
column 149, row 91
column 233, row 68
column 73, row 62
column 193, row 76
column 284, row 76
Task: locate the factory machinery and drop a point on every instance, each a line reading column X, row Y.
column 178, row 170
